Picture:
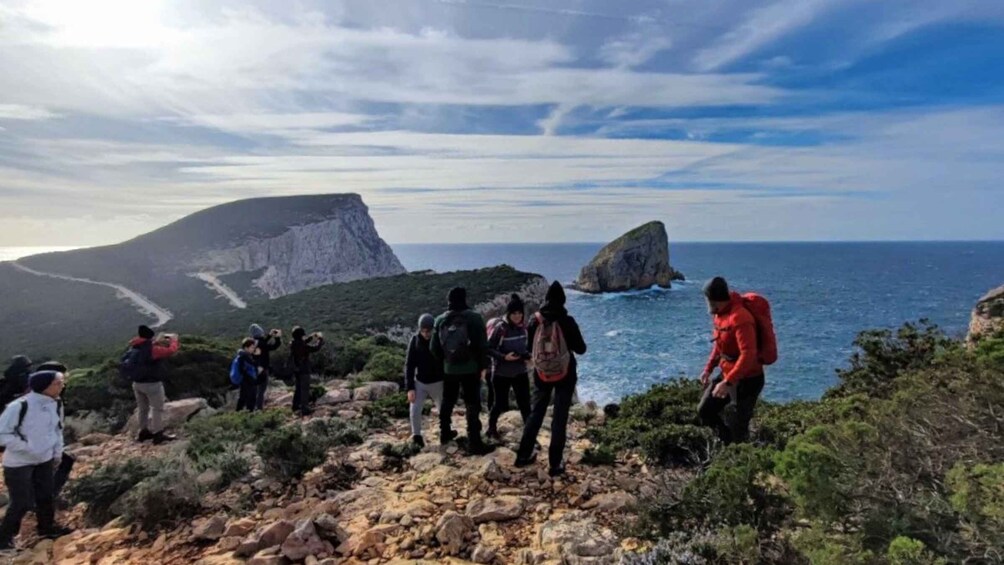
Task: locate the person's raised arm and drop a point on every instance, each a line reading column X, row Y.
column 161, row 351
column 573, row 337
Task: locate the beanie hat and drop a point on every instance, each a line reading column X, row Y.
column 515, row 305
column 257, row 331
column 299, row 332
column 52, row 366
column 457, row 298
column 145, row 332
column 426, row 321
column 555, row 295
column 41, row 380
column 717, row 290
column 20, row 362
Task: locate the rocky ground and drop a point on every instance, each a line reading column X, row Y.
column 363, row 507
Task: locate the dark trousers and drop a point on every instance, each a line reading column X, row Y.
column 262, row 385
column 247, row 395
column 471, row 384
column 29, row 488
column 500, row 401
column 563, row 391
column 301, row 394
column 62, row 474
column 745, row 395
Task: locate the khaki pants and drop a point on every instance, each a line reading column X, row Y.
column 150, row 405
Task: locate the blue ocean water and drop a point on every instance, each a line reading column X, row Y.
column 822, row 294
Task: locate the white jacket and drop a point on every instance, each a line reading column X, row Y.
column 42, row 431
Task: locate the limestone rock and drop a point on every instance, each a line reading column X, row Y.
column 610, row 502
column 637, row 260
column 276, row 533
column 497, row 509
column 337, row 396
column 239, row 528
column 176, row 413
column 988, row 316
column 210, row 529
column 577, row 538
column 375, row 390
column 452, row 530
column 303, row 541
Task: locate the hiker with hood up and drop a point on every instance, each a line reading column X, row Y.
column 244, row 373
column 460, row 345
column 267, row 343
column 31, row 431
column 15, row 379
column 423, row 377
column 554, row 339
column 147, row 378
column 300, row 351
column 510, row 350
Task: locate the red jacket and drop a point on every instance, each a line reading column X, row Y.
column 158, row 351
column 735, row 349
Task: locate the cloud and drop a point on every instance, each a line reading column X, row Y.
column 23, row 112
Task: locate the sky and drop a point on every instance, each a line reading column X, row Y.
column 508, row 120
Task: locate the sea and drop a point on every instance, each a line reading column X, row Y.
column 822, row 294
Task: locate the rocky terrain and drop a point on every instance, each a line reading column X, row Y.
column 363, row 505
column 637, row 260
column 988, row 315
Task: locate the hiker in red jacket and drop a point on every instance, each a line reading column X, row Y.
column 736, row 353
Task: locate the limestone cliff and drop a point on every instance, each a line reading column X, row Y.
column 637, row 260
column 988, row 316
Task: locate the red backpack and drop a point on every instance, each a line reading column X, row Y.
column 766, row 340
column 551, row 357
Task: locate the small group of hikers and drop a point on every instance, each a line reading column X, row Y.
column 451, row 354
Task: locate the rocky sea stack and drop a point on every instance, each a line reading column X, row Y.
column 988, row 316
column 637, row 260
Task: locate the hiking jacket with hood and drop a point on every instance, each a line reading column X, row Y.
column 266, row 345
column 509, row 338
column 246, row 366
column 735, row 342
column 553, row 310
column 300, row 350
column 151, row 372
column 420, row 365
column 476, row 334
column 40, row 437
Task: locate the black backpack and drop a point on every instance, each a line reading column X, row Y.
column 134, row 363
column 23, row 411
column 454, row 338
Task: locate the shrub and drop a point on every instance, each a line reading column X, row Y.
column 316, row 392
column 599, row 455
column 232, row 464
column 208, row 437
column 393, row 406
column 171, row 495
column 334, row 432
column 386, row 365
column 100, row 489
column 397, row 455
column 821, row 548
column 906, row 551
column 288, row 453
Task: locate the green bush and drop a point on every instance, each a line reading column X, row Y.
column 334, row 432
column 172, row 495
column 991, row 349
column 906, row 551
column 821, row 548
column 316, row 392
column 393, row 406
column 386, row 365
column 288, row 453
column 232, row 464
column 599, row 455
column 100, row 489
column 208, row 437
column 397, row 455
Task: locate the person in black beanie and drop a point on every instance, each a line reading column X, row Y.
column 300, row 350
column 509, row 350
column 15, row 381
column 148, row 381
column 66, row 462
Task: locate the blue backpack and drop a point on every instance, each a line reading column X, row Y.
column 236, row 376
column 134, row 362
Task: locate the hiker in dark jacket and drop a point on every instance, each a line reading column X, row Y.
column 267, row 343
column 553, row 311
column 15, row 379
column 509, row 350
column 148, row 383
column 460, row 344
column 299, row 352
column 423, row 377
column 66, row 462
column 31, row 430
column 247, row 370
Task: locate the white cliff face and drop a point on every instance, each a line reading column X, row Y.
column 341, row 249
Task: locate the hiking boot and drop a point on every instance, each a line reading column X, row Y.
column 448, row 436
column 55, row 532
column 161, row 437
column 480, row 448
column 520, row 462
column 419, row 441
column 144, row 435
column 556, row 471
column 494, row 435
column 306, row 412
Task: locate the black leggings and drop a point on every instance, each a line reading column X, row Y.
column 710, row 409
column 500, row 385
column 248, row 392
column 30, row 488
column 563, row 391
column 471, row 385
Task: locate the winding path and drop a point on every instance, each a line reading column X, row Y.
column 223, row 290
column 142, row 303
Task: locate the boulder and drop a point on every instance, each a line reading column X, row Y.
column 610, row 502
column 497, row 509
column 176, row 413
column 637, row 260
column 577, row 538
column 337, row 396
column 239, row 528
column 988, row 316
column 276, row 533
column 375, row 390
column 210, row 529
column 452, row 530
column 304, row 541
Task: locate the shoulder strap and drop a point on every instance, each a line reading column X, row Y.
column 20, row 419
column 59, row 414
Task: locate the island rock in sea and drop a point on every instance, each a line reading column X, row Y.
column 637, row 260
column 988, row 316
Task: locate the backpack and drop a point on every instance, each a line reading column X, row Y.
column 550, row 351
column 134, row 362
column 766, row 340
column 454, row 338
column 24, row 412
column 236, row 375
column 493, row 326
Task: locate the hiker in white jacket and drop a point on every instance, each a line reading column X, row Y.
column 31, row 431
